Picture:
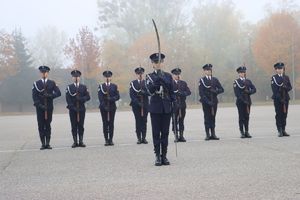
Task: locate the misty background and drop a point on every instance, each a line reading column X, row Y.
column 95, row 35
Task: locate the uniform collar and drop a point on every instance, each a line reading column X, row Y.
column 208, row 77
column 76, row 85
column 45, row 80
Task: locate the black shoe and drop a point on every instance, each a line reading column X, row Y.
column 81, row 144
column 182, row 139
column 106, row 143
column 280, row 133
column 207, row 134
column 111, row 143
column 284, row 133
column 247, row 135
column 243, row 135
column 43, row 147
column 164, row 160
column 139, row 141
column 74, row 145
column 158, row 161
column 48, row 146
column 144, row 141
column 214, row 137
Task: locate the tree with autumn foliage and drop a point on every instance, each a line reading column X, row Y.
column 277, row 39
column 84, row 51
column 8, row 60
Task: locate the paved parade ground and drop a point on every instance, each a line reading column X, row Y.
column 264, row 167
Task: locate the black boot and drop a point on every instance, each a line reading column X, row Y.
column 111, row 143
column 75, row 143
column 139, row 141
column 111, row 135
column 157, row 160
column 81, row 144
column 280, row 132
column 213, row 134
column 247, row 134
column 42, row 138
column 164, row 160
column 144, row 141
column 48, row 143
column 242, row 131
column 284, row 133
column 157, row 155
column 106, row 138
column 181, row 138
column 176, row 137
column 242, row 134
column 207, row 134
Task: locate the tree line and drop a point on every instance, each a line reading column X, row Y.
column 191, row 36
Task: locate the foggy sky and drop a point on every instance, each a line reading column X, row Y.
column 70, row 15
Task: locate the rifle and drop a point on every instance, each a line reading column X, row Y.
column 108, row 103
column 77, row 102
column 179, row 100
column 45, row 98
column 283, row 91
column 245, row 93
column 141, row 97
column 211, row 94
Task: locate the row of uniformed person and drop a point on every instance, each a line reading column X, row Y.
column 167, row 96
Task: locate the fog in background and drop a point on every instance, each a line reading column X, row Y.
column 95, row 35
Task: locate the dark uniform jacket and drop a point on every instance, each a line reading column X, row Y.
column 138, row 94
column 281, row 85
column 181, row 91
column 74, row 95
column 160, row 88
column 243, row 89
column 209, row 89
column 41, row 91
column 108, row 95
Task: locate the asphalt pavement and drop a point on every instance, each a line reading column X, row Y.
column 265, row 167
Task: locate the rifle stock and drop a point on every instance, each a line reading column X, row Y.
column 284, row 91
column 45, row 100
column 141, row 97
column 211, row 94
column 77, row 102
column 108, row 103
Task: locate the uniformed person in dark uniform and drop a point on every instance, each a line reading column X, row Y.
column 76, row 95
column 139, row 103
column 281, row 85
column 108, row 94
column 243, row 88
column 209, row 88
column 181, row 91
column 159, row 85
column 43, row 93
